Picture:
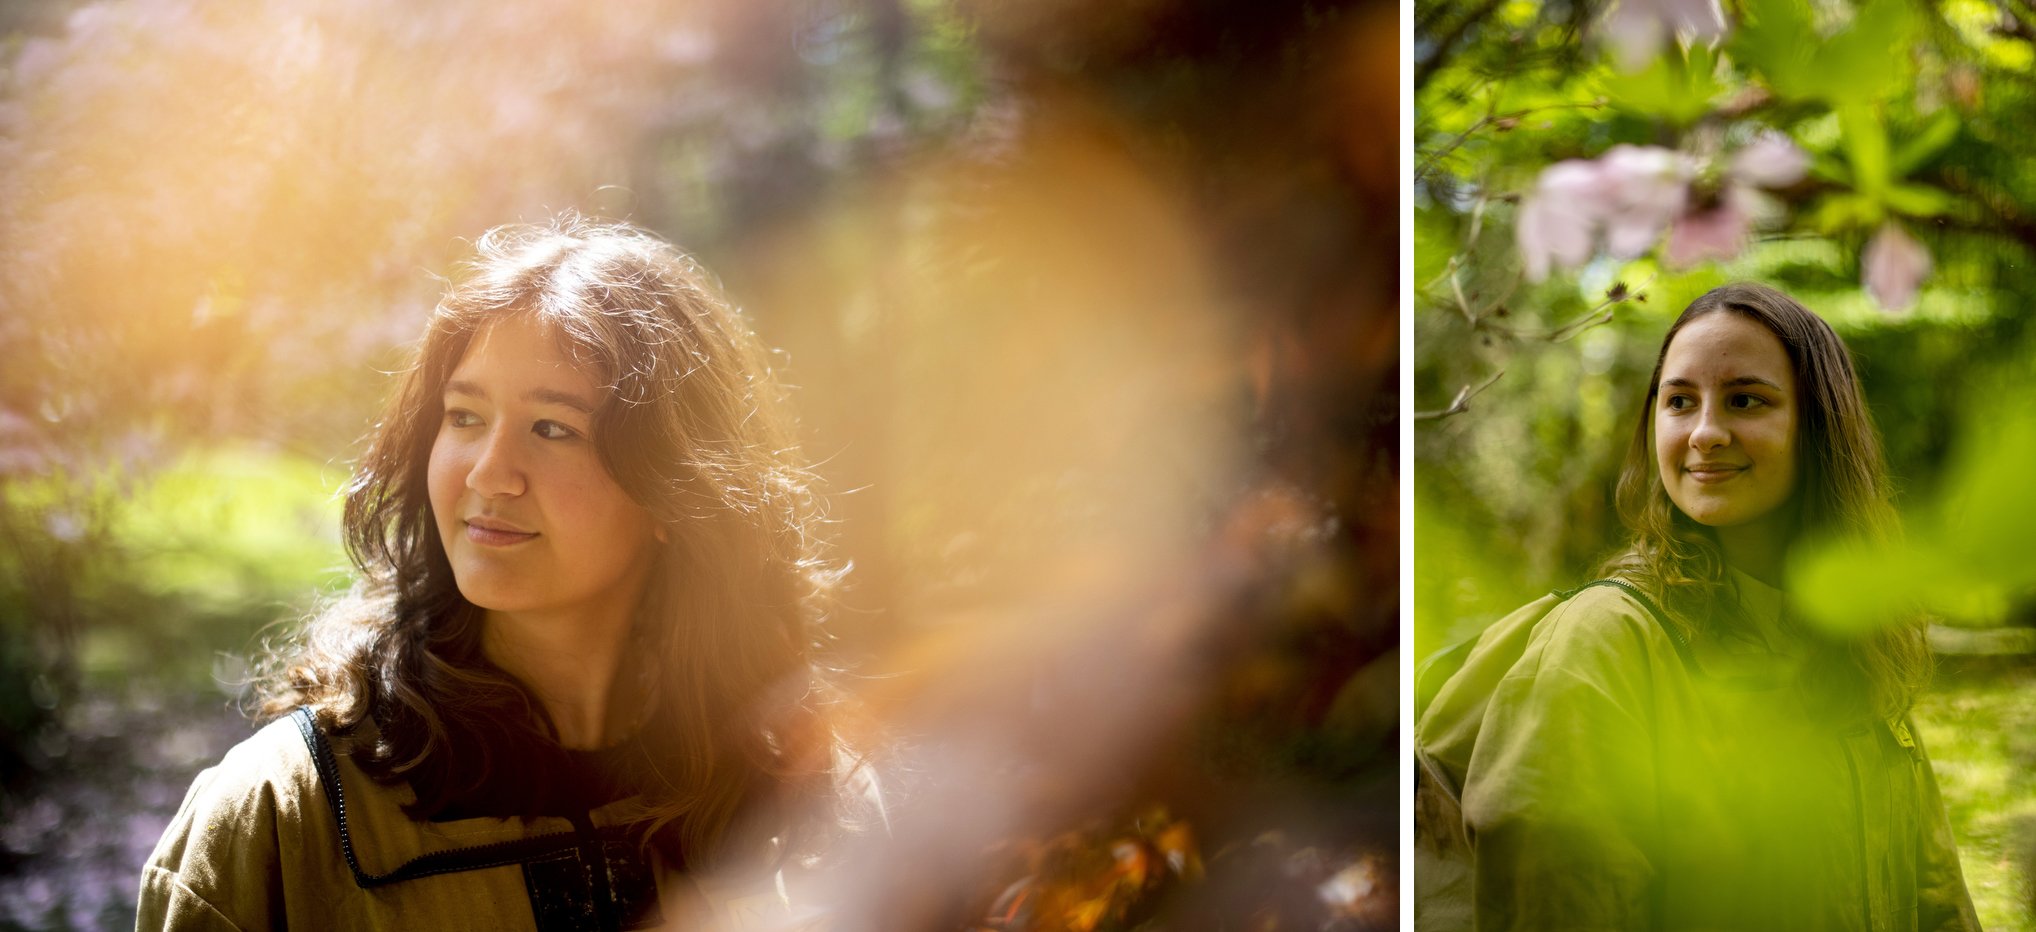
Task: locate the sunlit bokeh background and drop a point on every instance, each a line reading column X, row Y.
column 1871, row 157
column 1090, row 310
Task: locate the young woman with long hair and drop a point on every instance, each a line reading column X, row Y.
column 1672, row 746
column 579, row 662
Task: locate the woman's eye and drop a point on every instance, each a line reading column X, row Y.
column 458, row 418
column 1677, row 402
column 551, row 430
column 1747, row 401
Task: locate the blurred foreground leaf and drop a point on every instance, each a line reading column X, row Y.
column 1967, row 553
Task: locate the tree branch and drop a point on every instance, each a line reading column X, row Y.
column 1601, row 313
column 1503, row 120
column 1462, row 402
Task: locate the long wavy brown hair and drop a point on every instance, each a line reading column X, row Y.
column 1841, row 491
column 735, row 727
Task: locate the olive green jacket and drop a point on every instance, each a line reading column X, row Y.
column 1610, row 776
column 285, row 834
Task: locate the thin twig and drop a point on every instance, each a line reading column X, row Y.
column 1462, row 402
column 1477, row 216
column 1455, row 262
column 1456, row 286
column 1597, row 318
column 1601, row 313
column 1428, row 163
column 1477, row 318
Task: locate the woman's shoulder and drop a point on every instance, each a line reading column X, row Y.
column 222, row 852
column 270, row 772
column 1599, row 636
column 1604, row 622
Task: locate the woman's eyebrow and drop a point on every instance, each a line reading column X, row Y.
column 1680, row 382
column 535, row 395
column 463, row 387
column 555, row 397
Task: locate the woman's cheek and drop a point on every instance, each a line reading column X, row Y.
column 1667, row 443
column 444, row 479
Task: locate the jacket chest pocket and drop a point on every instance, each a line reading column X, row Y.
column 601, row 886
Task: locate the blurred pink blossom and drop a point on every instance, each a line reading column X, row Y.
column 1893, row 267
column 1631, row 193
column 1646, row 186
column 1771, row 160
column 1559, row 220
column 1717, row 232
column 1637, row 29
column 1720, row 230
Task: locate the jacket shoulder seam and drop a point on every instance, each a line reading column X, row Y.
column 1654, row 629
column 176, row 880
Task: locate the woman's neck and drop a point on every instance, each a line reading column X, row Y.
column 1757, row 548
column 572, row 662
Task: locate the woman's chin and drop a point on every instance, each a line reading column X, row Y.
column 1714, row 514
column 498, row 595
column 1708, row 514
column 1727, row 515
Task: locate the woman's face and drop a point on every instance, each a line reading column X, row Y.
column 1725, row 421
column 530, row 518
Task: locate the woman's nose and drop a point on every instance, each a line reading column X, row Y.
column 1710, row 432
column 495, row 471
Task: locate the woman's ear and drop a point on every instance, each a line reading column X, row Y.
column 663, row 536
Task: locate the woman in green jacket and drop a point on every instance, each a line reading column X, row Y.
column 1675, row 748
column 574, row 687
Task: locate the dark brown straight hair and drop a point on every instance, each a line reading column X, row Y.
column 735, row 727
column 1841, row 491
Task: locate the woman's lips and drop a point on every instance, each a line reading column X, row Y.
column 1708, row 473
column 492, row 534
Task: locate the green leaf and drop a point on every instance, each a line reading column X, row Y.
column 1989, row 516
column 1918, row 200
column 1867, row 61
column 1920, row 148
column 1776, row 39
column 1827, row 168
column 1866, row 145
column 1674, row 88
column 1967, row 551
column 1860, row 64
column 1827, row 584
column 1846, row 210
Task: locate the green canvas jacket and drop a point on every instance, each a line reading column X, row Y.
column 285, row 834
column 1615, row 779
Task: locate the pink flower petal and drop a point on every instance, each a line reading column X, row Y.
column 1701, row 20
column 1770, row 161
column 1631, row 193
column 1636, row 36
column 1637, row 29
column 1718, row 233
column 1645, row 187
column 1558, row 221
column 1893, row 267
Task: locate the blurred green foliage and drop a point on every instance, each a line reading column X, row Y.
column 1965, row 557
column 162, row 579
column 1913, row 114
